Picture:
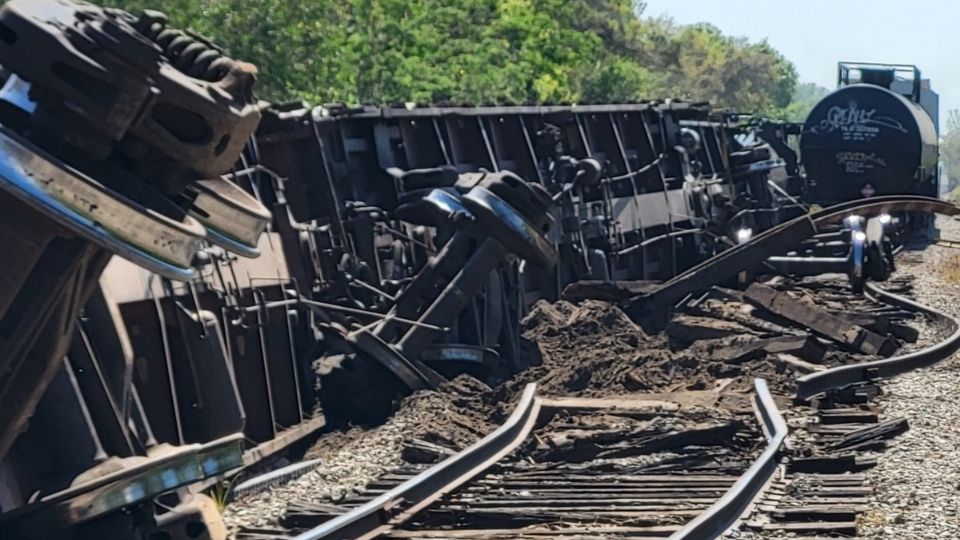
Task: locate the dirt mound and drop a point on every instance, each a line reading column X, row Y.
column 581, row 347
column 591, row 349
column 453, row 416
column 594, row 349
column 589, row 317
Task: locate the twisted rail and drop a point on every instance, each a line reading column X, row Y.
column 404, row 501
column 725, row 513
column 841, row 377
column 400, row 504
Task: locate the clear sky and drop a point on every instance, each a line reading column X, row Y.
column 816, row 34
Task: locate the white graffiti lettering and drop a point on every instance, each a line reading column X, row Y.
column 854, row 119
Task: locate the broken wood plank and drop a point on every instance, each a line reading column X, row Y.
column 905, row 332
column 830, row 464
column 855, row 395
column 523, row 517
column 687, row 328
column 837, row 429
column 609, row 405
column 881, row 431
column 792, row 362
column 819, row 320
column 805, row 347
column 875, row 323
column 848, row 416
column 818, row 512
column 848, row 528
column 545, row 532
column 706, row 436
column 866, row 446
column 739, row 312
column 638, row 443
column 421, row 451
column 832, row 492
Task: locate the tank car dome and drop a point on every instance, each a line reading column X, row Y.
column 864, row 140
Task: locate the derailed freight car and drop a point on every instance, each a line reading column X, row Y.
column 638, row 192
column 664, row 168
column 394, row 247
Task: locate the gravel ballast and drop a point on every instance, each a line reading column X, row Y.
column 351, row 459
column 917, row 481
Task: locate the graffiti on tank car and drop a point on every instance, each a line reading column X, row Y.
column 856, row 124
column 859, row 162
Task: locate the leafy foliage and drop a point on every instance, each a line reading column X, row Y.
column 950, row 147
column 484, row 51
column 805, row 97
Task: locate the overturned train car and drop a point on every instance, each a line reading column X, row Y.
column 189, row 298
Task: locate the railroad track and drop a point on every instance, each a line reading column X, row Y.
column 557, row 468
column 823, row 490
column 574, row 468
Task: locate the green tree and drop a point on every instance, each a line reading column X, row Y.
column 950, row 147
column 805, row 97
column 484, row 51
column 704, row 64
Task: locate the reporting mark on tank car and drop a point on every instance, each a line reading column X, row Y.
column 859, row 162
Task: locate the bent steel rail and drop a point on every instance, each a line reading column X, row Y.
column 843, row 376
column 884, row 205
column 724, row 513
column 773, row 241
column 722, row 266
column 401, row 503
column 404, row 501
